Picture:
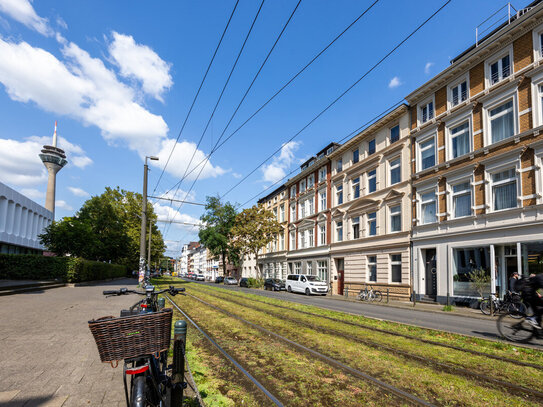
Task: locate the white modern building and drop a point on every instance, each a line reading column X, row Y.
column 21, row 222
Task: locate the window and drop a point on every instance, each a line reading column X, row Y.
column 322, row 270
column 459, row 93
column 322, row 200
column 302, row 186
column 372, row 181
column 322, row 234
column 395, row 171
column 372, row 223
column 322, row 174
column 502, row 123
column 427, row 150
column 302, row 209
column 355, row 156
column 282, row 241
column 292, row 212
column 427, row 112
column 372, row 268
column 310, row 180
column 460, row 140
column 339, row 231
column 394, row 134
column 293, row 191
column 371, row 147
column 339, row 165
column 298, row 267
column 461, row 199
column 301, row 236
column 310, row 238
column 292, row 240
column 504, row 190
column 356, row 227
column 309, row 268
column 428, row 207
column 282, row 213
column 500, row 69
column 356, row 187
column 396, row 268
column 275, row 213
column 311, row 203
column 464, row 261
column 339, row 194
column 396, row 218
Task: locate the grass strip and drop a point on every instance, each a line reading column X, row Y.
column 434, row 386
column 520, row 375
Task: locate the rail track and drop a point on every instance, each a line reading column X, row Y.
column 497, row 383
column 238, row 366
column 399, row 393
column 398, row 334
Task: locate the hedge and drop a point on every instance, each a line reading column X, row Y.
column 68, row 269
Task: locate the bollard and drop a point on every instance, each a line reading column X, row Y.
column 178, row 366
column 161, row 303
column 346, row 292
column 387, row 295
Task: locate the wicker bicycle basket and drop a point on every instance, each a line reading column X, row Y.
column 132, row 336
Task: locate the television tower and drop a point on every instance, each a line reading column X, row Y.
column 54, row 159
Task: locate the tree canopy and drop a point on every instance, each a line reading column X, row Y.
column 106, row 228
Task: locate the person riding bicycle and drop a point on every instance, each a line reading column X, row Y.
column 513, row 282
column 533, row 298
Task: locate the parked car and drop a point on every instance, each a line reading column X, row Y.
column 308, row 284
column 244, row 282
column 219, row 280
column 274, row 284
column 230, row 281
column 200, row 277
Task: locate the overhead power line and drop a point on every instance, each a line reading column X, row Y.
column 283, row 87
column 176, row 200
column 338, row 98
column 197, row 93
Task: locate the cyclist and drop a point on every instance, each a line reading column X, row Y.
column 513, row 282
column 533, row 298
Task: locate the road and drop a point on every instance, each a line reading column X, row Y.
column 461, row 324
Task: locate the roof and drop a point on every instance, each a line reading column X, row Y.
column 276, row 191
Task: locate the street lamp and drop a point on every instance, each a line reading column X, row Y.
column 142, row 269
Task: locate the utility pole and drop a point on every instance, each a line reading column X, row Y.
column 149, row 245
column 142, row 269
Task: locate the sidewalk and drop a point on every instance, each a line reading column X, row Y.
column 49, row 357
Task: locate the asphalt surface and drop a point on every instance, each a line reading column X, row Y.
column 461, row 324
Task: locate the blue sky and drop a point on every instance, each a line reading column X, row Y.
column 119, row 76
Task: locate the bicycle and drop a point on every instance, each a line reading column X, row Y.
column 370, row 295
column 517, row 330
column 141, row 337
column 511, row 304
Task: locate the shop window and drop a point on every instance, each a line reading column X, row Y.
column 466, row 264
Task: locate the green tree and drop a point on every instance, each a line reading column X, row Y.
column 69, row 236
column 254, row 228
column 218, row 220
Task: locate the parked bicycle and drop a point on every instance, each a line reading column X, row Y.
column 370, row 294
column 141, row 337
column 511, row 304
column 518, row 329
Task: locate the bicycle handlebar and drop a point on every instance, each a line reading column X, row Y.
column 123, row 291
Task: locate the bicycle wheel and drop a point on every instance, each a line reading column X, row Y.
column 485, row 306
column 516, row 310
column 515, row 330
column 362, row 295
column 377, row 296
column 138, row 397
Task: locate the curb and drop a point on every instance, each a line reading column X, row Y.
column 85, row 283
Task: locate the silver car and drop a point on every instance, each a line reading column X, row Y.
column 200, row 277
column 230, row 281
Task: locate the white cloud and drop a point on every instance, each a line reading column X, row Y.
column 427, row 67
column 23, row 12
column 181, row 157
column 140, row 62
column 78, row 191
column 20, row 164
column 168, row 213
column 63, row 205
column 394, row 82
column 276, row 170
column 179, row 194
column 32, row 193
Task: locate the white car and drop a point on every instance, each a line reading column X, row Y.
column 200, row 277
column 307, row 284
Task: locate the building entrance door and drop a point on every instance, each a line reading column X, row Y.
column 431, row 273
column 340, row 276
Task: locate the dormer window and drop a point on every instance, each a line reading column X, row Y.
column 427, row 111
column 500, row 69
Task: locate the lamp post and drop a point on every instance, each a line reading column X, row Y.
column 142, row 269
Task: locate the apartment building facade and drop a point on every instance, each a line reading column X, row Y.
column 477, row 156
column 308, row 241
column 272, row 261
column 370, row 208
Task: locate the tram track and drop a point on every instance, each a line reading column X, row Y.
column 443, row 366
column 389, row 332
column 399, row 393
